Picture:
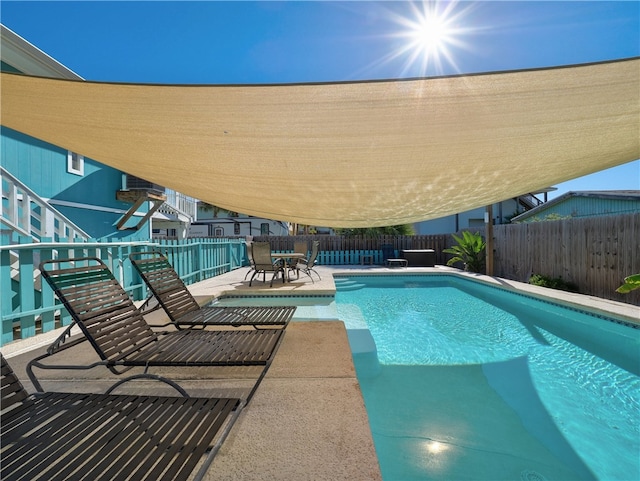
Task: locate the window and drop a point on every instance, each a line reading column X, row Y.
column 264, row 228
column 236, row 229
column 75, row 163
column 218, row 231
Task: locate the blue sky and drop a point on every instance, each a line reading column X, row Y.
column 208, row 42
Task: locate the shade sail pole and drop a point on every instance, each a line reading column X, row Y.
column 488, row 223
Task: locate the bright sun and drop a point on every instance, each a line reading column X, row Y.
column 429, row 33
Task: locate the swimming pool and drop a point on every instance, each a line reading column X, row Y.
column 474, row 382
column 467, row 381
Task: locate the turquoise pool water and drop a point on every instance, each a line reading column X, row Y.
column 473, row 382
column 465, row 381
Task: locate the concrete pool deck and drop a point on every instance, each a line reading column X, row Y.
column 307, row 419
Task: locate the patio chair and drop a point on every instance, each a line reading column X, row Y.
column 56, row 436
column 252, row 264
column 264, row 263
column 307, row 265
column 388, row 252
column 299, row 247
column 122, row 339
column 183, row 310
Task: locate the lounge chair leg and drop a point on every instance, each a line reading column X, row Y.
column 149, row 376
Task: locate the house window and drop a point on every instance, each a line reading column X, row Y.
column 236, row 229
column 218, row 231
column 264, row 228
column 75, row 163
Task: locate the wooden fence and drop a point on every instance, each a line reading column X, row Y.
column 342, row 250
column 595, row 253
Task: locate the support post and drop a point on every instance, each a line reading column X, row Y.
column 488, row 224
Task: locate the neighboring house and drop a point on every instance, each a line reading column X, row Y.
column 502, row 212
column 45, row 186
column 216, row 222
column 584, row 204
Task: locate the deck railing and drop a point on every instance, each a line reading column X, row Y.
column 28, row 306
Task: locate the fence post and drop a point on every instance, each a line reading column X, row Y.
column 47, row 298
column 6, row 292
column 27, row 289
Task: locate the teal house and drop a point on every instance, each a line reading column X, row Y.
column 584, row 204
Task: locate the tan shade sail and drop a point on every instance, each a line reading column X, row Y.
column 346, row 154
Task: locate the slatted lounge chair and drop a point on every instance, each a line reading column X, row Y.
column 64, row 436
column 264, row 263
column 118, row 333
column 183, row 310
column 306, row 265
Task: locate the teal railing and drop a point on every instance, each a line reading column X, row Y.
column 28, row 306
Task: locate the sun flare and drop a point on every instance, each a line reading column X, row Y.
column 431, row 34
column 430, row 31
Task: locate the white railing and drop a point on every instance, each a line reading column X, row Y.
column 179, row 204
column 28, row 214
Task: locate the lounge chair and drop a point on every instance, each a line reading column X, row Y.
column 118, row 333
column 64, row 436
column 264, row 263
column 183, row 310
column 307, row 265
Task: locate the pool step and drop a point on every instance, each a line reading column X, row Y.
column 364, row 352
column 348, row 285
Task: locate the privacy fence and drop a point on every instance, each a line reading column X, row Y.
column 342, row 250
column 593, row 253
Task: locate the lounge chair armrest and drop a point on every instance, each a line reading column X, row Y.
column 36, row 363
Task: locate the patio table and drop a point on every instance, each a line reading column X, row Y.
column 287, row 256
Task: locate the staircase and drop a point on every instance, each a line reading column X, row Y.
column 26, row 213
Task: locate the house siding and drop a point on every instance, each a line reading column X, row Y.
column 586, row 206
column 43, row 167
column 470, row 219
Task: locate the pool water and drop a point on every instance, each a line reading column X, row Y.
column 466, row 381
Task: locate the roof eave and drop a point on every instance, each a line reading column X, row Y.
column 29, row 59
